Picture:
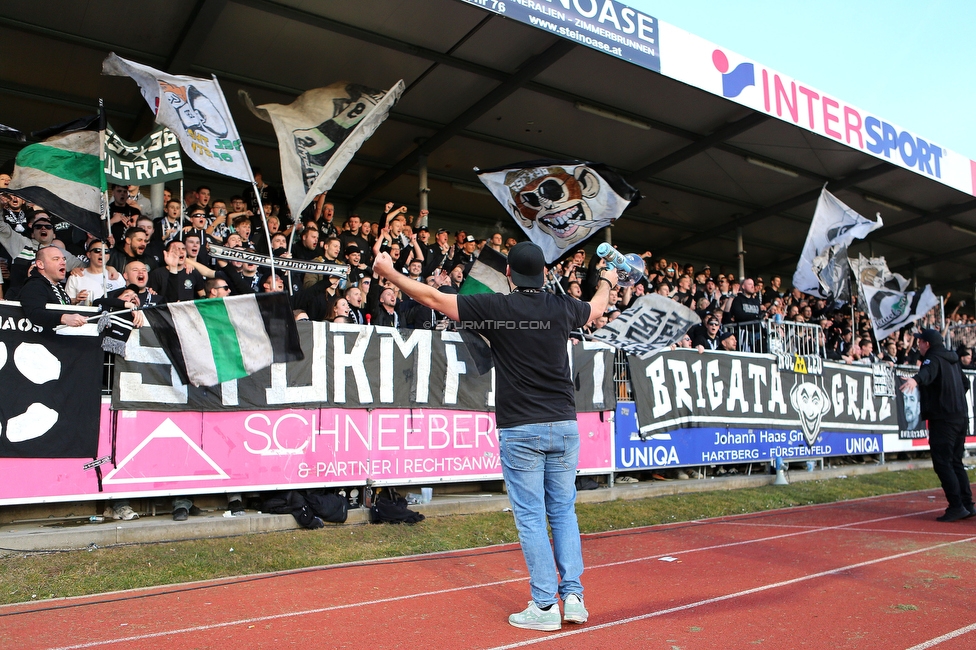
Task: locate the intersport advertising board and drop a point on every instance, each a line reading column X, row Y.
column 615, row 29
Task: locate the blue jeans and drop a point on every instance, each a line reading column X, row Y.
column 539, row 465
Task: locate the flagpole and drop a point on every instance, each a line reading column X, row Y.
column 182, row 210
column 257, row 192
column 104, row 194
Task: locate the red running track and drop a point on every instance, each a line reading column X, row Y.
column 870, row 573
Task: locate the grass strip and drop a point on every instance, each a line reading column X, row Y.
column 51, row 575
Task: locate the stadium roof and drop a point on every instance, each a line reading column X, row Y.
column 713, row 141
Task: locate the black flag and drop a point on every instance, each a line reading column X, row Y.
column 50, row 402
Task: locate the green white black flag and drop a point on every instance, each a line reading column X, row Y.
column 63, row 174
column 218, row 339
column 487, row 274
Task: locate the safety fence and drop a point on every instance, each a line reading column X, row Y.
column 961, row 334
column 779, row 338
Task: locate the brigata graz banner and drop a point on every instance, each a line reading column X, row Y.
column 352, row 366
column 723, row 392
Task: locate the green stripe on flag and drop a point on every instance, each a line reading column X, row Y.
column 68, row 165
column 471, row 286
column 223, row 339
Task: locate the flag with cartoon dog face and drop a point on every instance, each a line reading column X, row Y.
column 560, row 204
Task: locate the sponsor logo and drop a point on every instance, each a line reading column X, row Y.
column 793, row 101
column 736, row 80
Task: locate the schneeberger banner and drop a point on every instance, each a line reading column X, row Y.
column 154, row 159
column 351, row 366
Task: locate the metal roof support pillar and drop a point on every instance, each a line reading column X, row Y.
column 741, row 253
column 156, row 199
column 423, row 190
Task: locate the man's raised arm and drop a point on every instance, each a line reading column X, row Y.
column 598, row 304
column 419, row 291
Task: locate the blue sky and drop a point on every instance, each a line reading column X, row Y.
column 909, row 62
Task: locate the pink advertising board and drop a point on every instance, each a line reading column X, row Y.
column 160, row 453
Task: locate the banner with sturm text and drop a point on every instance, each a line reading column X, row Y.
column 351, row 366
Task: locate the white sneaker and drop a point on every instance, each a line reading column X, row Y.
column 573, row 609
column 533, row 618
column 126, row 513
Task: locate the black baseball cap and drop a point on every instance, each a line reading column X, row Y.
column 527, row 265
column 930, row 336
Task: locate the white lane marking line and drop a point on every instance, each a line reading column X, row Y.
column 319, row 610
column 272, row 617
column 867, row 530
column 738, row 594
column 762, row 539
column 931, row 643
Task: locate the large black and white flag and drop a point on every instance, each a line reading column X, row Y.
column 319, row 133
column 885, row 298
column 823, row 270
column 50, row 402
column 652, row 323
column 559, row 204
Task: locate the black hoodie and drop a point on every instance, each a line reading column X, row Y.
column 942, row 386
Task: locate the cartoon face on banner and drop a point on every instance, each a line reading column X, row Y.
column 316, row 146
column 197, row 111
column 811, row 403
column 555, row 200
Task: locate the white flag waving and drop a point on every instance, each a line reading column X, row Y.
column 319, row 133
column 195, row 110
column 559, row 204
column 822, row 269
column 887, row 303
column 892, row 310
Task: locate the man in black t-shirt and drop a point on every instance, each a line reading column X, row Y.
column 535, row 411
column 746, row 306
column 172, row 281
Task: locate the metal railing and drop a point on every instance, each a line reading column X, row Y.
column 961, row 334
column 782, row 339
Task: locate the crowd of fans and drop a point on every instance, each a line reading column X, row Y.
column 153, row 259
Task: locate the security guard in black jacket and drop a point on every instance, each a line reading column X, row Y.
column 942, row 389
